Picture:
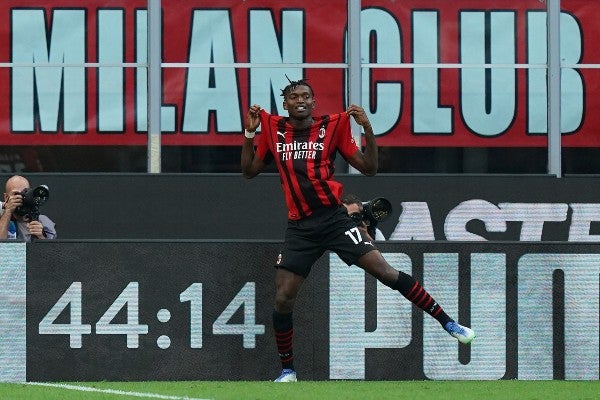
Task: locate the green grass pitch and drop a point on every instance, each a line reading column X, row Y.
column 346, row 390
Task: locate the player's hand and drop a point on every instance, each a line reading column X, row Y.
column 364, row 232
column 36, row 229
column 253, row 118
column 359, row 115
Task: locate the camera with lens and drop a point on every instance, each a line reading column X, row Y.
column 32, row 200
column 373, row 212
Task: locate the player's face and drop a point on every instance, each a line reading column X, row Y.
column 300, row 102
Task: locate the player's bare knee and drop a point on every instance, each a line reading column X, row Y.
column 284, row 303
column 386, row 274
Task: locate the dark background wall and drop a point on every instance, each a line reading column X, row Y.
column 227, row 206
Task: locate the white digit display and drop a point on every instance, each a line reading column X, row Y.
column 193, row 294
column 128, row 299
column 71, row 298
column 133, row 329
column 245, row 298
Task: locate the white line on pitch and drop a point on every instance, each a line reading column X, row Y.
column 112, row 391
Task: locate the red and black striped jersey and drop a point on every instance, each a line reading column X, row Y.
column 305, row 159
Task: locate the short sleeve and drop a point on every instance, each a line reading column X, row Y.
column 49, row 227
column 263, row 150
column 346, row 144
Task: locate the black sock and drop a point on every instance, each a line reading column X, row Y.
column 413, row 291
column 283, row 326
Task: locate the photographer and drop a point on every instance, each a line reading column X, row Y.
column 356, row 210
column 19, row 222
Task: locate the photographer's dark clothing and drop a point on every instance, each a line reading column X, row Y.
column 326, row 229
column 22, row 233
column 305, row 159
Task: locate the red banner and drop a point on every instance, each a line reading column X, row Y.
column 67, row 84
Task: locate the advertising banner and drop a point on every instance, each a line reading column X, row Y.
column 75, row 73
column 202, row 311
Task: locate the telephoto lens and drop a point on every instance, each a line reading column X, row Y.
column 377, row 209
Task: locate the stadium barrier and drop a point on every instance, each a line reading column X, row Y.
column 226, row 206
column 201, row 310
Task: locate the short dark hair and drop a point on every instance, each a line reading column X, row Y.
column 293, row 85
column 349, row 198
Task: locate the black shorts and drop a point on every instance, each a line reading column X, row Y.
column 326, row 229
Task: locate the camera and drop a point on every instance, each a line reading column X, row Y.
column 32, row 200
column 374, row 211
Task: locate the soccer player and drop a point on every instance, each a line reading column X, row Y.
column 303, row 147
